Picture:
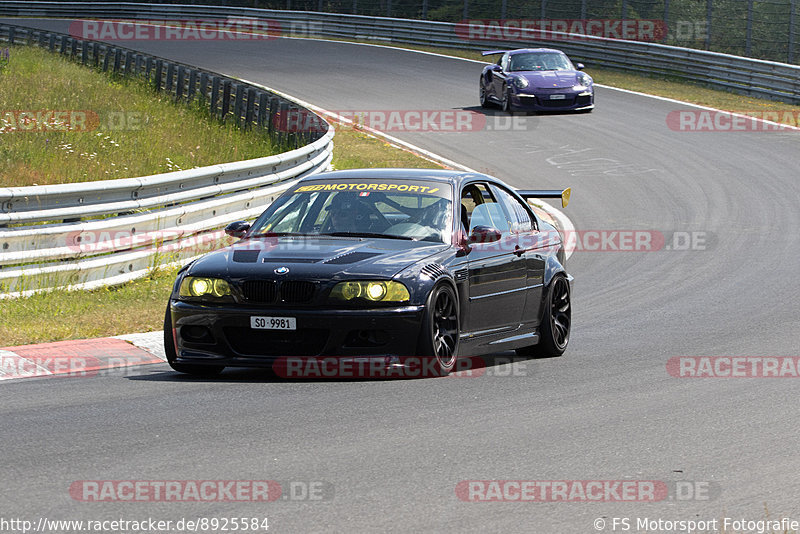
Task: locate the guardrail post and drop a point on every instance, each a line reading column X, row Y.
column 170, row 76
column 274, row 109
column 238, row 104
column 130, row 69
column 226, row 99
column 148, row 67
column 106, row 59
column 11, row 35
column 203, row 87
column 180, row 83
column 64, row 44
column 84, row 52
column 748, row 39
column 159, row 74
column 251, row 105
column 192, row 85
column 52, row 42
column 73, row 51
column 117, row 59
column 263, row 110
column 214, row 96
column 280, row 122
column 96, row 54
column 790, row 53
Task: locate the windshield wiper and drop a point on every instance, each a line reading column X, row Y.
column 368, row 234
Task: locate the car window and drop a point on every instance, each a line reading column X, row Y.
column 504, row 61
column 520, row 216
column 480, row 208
column 492, row 215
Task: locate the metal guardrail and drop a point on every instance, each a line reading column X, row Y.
column 108, row 232
column 766, row 79
column 189, row 204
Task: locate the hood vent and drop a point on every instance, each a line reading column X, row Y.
column 350, row 257
column 245, row 256
column 275, row 259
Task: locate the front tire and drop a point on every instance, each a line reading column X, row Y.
column 482, row 95
column 439, row 338
column 169, row 350
column 507, row 106
column 556, row 322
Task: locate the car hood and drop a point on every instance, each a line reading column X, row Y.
column 550, row 78
column 317, row 258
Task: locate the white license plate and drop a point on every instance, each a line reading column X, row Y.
column 558, row 97
column 273, row 323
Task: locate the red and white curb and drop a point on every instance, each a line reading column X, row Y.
column 84, row 358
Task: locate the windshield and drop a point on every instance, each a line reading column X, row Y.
column 537, row 61
column 412, row 210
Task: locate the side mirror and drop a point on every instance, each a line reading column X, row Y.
column 579, row 66
column 484, row 234
column 237, row 229
column 496, row 68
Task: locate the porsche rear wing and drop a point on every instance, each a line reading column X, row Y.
column 547, row 193
column 493, row 52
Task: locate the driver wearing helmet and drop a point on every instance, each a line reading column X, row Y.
column 348, row 213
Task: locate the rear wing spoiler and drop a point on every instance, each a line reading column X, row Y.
column 547, row 193
column 493, row 52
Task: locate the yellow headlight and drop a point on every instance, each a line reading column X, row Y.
column 200, row 286
column 376, row 291
column 192, row 286
column 221, row 288
column 351, row 290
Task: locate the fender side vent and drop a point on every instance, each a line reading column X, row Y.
column 433, row 270
column 462, row 275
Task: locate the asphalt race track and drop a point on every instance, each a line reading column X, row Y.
column 392, row 453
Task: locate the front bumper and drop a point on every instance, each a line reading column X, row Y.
column 542, row 101
column 221, row 335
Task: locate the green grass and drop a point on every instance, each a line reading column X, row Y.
column 139, row 305
column 122, row 129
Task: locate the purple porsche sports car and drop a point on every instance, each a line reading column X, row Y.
column 536, row 79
